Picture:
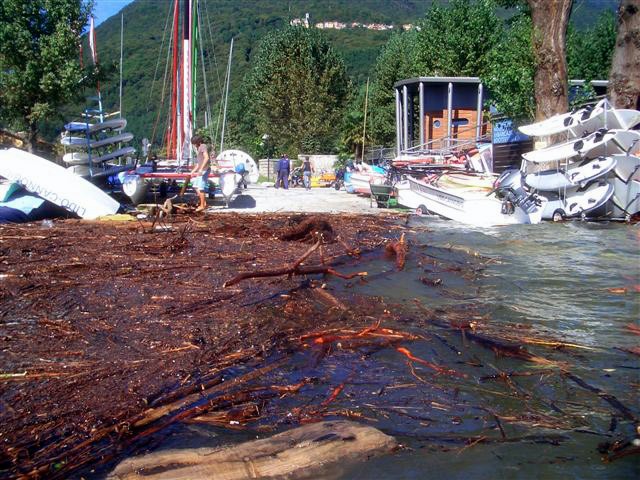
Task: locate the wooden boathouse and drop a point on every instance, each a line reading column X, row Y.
column 430, row 109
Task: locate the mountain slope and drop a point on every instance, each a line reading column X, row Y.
column 147, row 26
column 247, row 22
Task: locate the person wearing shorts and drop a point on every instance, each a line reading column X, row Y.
column 200, row 172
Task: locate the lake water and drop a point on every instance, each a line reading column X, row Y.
column 571, row 282
column 553, row 278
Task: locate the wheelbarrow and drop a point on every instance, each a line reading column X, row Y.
column 381, row 194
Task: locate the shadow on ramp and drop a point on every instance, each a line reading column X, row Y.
column 243, row 201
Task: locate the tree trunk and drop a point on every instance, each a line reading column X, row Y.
column 624, row 79
column 31, row 137
column 550, row 19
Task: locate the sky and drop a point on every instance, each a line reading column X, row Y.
column 105, row 8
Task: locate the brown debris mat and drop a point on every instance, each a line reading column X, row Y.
column 110, row 333
column 101, row 322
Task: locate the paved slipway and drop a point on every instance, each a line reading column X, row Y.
column 260, row 198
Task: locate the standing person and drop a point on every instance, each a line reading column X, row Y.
column 307, row 170
column 283, row 172
column 200, row 172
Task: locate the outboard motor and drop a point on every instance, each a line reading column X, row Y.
column 510, row 188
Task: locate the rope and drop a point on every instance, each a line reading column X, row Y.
column 164, row 85
column 204, row 77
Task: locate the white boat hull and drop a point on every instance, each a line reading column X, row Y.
column 471, row 208
column 575, row 174
column 626, row 186
column 407, row 197
column 627, row 167
column 576, row 202
column 584, row 120
column 81, row 142
column 55, row 184
column 594, row 145
column 82, row 158
column 115, row 124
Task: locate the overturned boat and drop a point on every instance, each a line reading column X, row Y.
column 584, row 120
column 56, row 184
column 601, row 142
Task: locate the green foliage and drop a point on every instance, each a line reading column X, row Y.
column 394, row 64
column 39, row 61
column 247, row 21
column 510, row 71
column 454, row 41
column 589, row 52
column 299, row 86
column 351, row 130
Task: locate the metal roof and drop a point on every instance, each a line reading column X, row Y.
column 416, row 80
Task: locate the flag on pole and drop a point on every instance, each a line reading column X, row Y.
column 92, row 42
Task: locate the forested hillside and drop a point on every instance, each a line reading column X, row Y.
column 147, row 30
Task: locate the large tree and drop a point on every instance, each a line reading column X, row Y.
column 624, row 80
column 394, row 63
column 550, row 20
column 299, row 88
column 39, row 59
column 455, row 40
column 452, row 40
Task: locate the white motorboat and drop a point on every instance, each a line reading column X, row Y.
column 572, row 175
column 596, row 144
column 584, row 120
column 508, row 205
column 406, row 197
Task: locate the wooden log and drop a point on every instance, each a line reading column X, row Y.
column 302, row 451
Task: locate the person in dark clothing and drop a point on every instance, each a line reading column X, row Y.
column 283, row 172
column 307, row 170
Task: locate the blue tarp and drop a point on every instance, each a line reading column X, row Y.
column 23, row 206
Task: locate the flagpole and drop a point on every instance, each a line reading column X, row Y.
column 94, row 56
column 121, row 48
column 226, row 96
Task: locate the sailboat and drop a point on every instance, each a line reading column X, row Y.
column 182, row 116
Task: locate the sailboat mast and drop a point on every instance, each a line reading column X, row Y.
column 172, row 137
column 187, row 91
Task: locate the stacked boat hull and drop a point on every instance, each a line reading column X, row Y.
column 597, row 175
column 95, row 147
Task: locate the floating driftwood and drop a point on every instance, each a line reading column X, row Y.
column 298, row 451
